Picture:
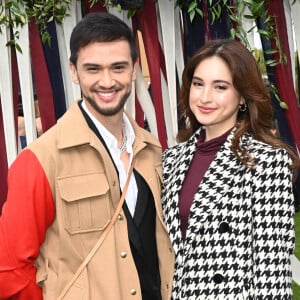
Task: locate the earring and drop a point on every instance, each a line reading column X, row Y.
column 243, row 107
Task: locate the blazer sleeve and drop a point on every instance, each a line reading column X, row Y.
column 26, row 215
column 273, row 227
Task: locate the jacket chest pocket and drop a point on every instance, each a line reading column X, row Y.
column 85, row 202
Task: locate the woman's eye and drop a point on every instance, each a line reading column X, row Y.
column 220, row 87
column 197, row 83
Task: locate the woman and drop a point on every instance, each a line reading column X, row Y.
column 227, row 195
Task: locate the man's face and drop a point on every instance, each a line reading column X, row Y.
column 105, row 72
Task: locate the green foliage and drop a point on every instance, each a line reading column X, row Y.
column 296, row 288
column 108, row 3
column 296, row 291
column 16, row 13
column 241, row 9
column 237, row 12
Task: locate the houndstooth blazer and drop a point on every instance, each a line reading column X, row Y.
column 240, row 232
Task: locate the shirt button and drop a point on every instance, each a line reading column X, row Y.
column 123, row 254
column 120, row 217
column 133, row 292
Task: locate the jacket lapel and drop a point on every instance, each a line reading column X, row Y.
column 177, row 161
column 223, row 174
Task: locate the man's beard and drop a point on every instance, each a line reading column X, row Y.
column 107, row 111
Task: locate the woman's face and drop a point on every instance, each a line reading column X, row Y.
column 213, row 99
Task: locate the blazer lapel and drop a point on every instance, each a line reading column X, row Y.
column 222, row 175
column 177, row 168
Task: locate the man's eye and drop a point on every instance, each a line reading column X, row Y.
column 92, row 69
column 118, row 68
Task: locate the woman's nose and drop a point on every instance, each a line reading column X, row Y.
column 205, row 95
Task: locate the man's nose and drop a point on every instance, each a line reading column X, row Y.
column 106, row 79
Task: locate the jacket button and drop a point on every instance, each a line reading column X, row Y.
column 133, row 292
column 123, row 254
column 218, row 278
column 120, row 217
column 224, row 227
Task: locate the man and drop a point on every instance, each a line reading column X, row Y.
column 65, row 186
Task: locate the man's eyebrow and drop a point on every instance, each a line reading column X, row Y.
column 117, row 63
column 125, row 62
column 87, row 65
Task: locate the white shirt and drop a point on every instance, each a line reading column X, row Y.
column 112, row 144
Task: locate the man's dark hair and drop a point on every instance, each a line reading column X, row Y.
column 100, row 27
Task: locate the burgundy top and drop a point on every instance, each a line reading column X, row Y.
column 203, row 156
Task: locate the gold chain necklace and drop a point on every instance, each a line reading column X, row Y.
column 123, row 146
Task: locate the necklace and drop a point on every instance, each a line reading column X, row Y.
column 123, row 145
column 124, row 142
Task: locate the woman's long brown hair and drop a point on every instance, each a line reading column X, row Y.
column 248, row 81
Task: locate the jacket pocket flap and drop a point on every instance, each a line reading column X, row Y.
column 83, row 186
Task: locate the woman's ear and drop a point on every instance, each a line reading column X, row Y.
column 242, row 101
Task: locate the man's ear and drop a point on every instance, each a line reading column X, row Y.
column 74, row 73
column 135, row 66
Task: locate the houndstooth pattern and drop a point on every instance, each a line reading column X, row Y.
column 240, row 233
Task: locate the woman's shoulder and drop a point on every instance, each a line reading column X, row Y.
column 263, row 151
column 185, row 147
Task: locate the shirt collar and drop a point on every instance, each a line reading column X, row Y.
column 109, row 139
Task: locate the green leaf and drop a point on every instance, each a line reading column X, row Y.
column 257, row 8
column 192, row 15
column 199, row 12
column 271, row 51
column 250, row 17
column 18, row 48
column 192, row 6
column 283, row 105
column 249, row 2
column 264, row 33
column 271, row 61
column 232, row 32
column 213, row 17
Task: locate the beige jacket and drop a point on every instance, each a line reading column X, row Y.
column 86, row 191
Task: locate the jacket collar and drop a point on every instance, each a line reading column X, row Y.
column 73, row 130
